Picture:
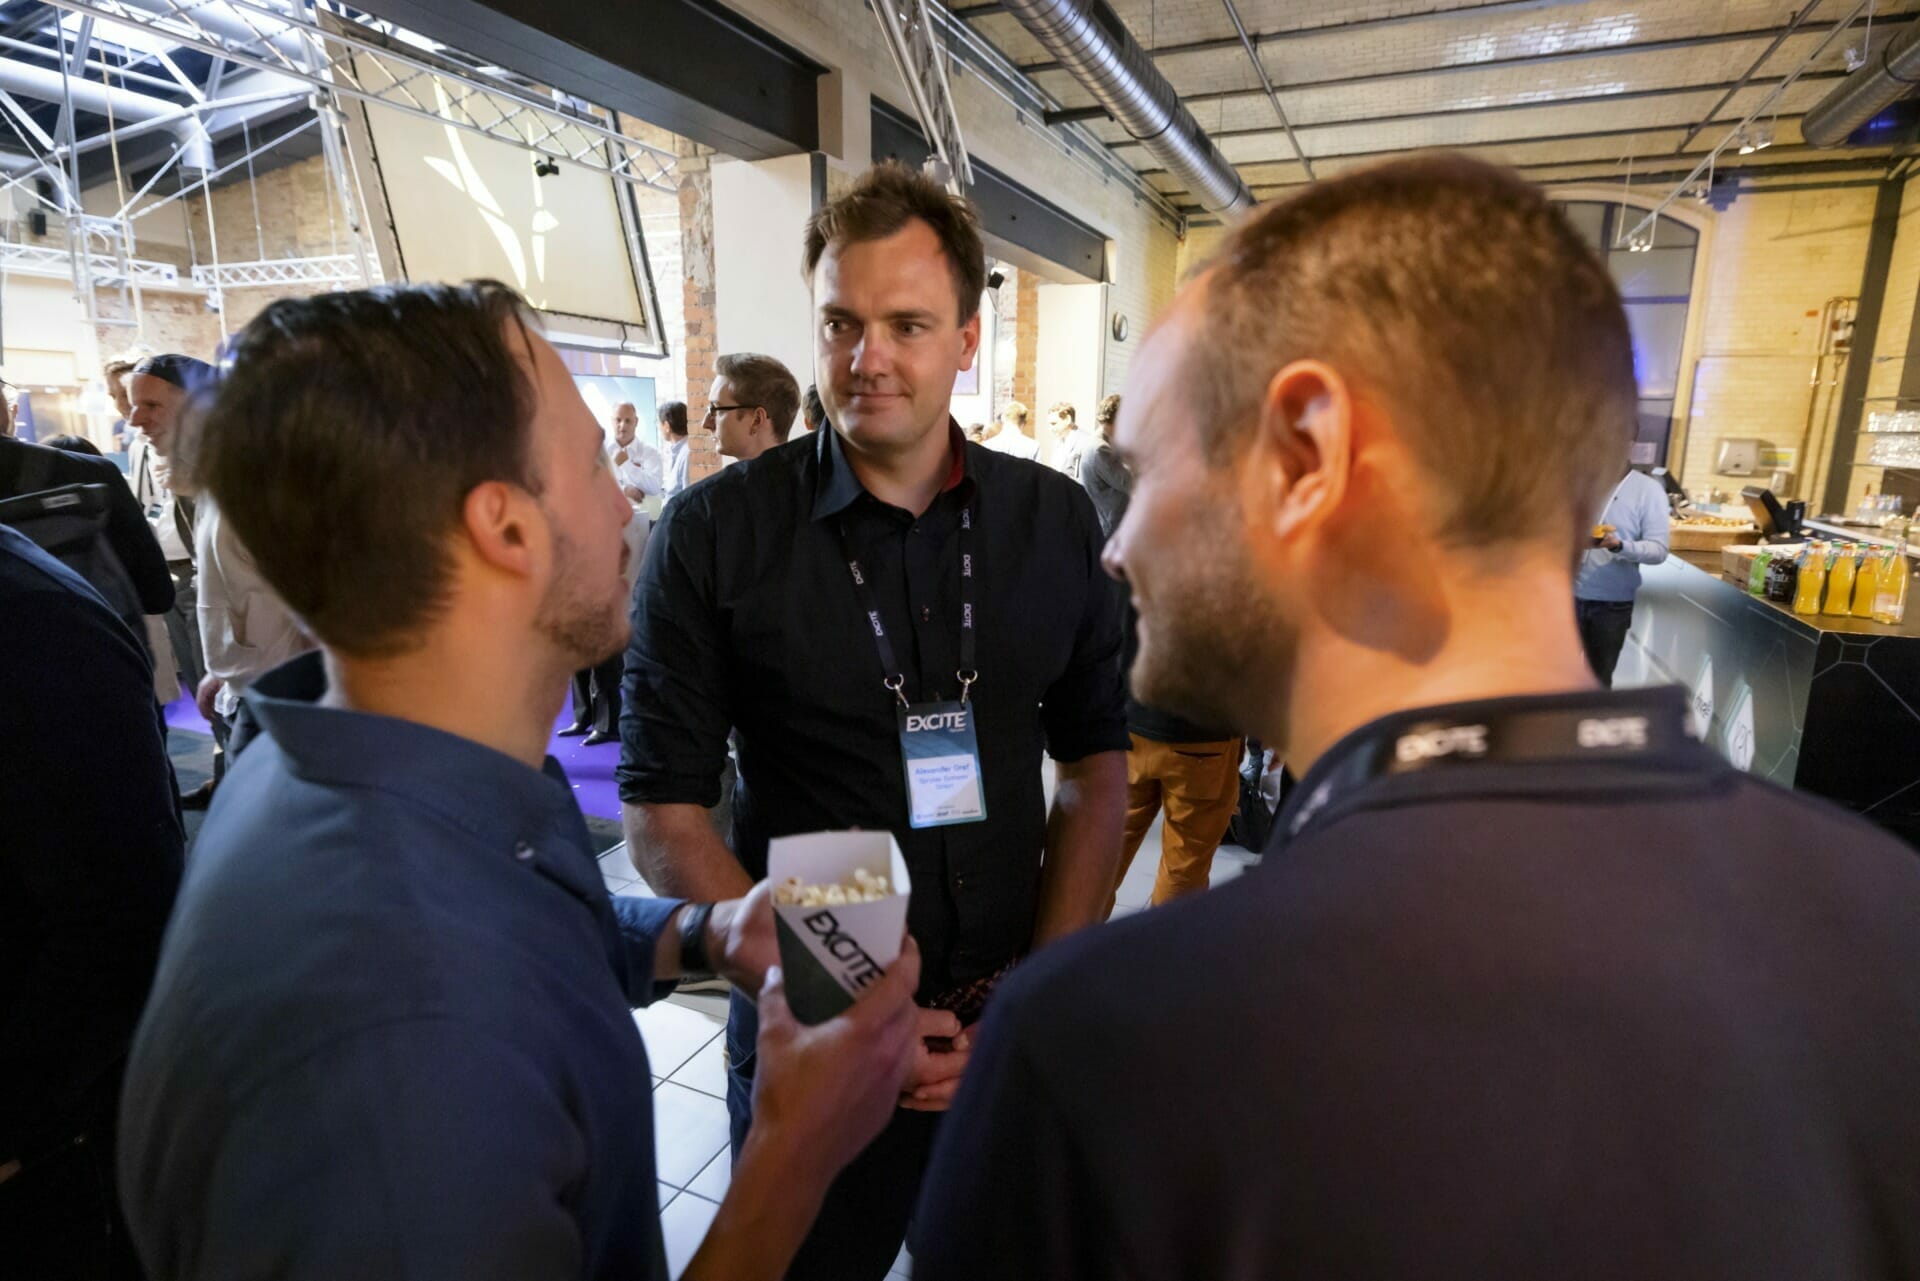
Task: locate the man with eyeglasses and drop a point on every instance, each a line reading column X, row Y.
column 751, row 404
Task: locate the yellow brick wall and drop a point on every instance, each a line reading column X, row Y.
column 1776, row 259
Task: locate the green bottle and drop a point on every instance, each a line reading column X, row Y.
column 1757, row 579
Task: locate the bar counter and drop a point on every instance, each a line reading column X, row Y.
column 1828, row 705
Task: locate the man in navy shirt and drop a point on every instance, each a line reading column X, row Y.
column 90, row 853
column 391, row 1033
column 1529, row 984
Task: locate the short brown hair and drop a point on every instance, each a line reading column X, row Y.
column 673, row 417
column 883, row 200
column 1108, row 411
column 765, row 382
column 1064, row 410
column 1015, row 413
column 117, row 369
column 1455, row 294
column 345, row 438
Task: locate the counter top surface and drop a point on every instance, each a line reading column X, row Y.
column 1708, row 563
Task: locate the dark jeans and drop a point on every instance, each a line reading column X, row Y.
column 1603, row 633
column 863, row 1220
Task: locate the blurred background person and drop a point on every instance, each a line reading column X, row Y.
column 1105, row 476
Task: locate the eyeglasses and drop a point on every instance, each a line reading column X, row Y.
column 714, row 411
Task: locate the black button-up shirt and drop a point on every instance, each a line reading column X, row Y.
column 746, row 617
column 391, row 1034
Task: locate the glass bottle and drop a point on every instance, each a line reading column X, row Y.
column 1890, row 601
column 1841, row 567
column 1813, row 577
column 1866, row 581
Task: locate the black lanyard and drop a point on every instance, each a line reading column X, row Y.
column 1580, row 729
column 891, row 673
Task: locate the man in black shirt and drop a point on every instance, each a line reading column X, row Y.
column 1530, row 984
column 90, row 857
column 838, row 598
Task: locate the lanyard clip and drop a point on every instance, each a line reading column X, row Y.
column 967, row 677
column 896, row 684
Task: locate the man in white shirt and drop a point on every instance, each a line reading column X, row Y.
column 1009, row 435
column 673, row 429
column 246, row 630
column 635, row 465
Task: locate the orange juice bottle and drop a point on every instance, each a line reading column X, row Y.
column 1813, row 577
column 1841, row 571
column 1866, row 582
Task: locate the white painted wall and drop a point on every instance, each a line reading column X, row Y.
column 45, row 331
column 1070, row 362
column 760, row 301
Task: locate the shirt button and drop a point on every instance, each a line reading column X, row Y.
column 960, row 882
column 523, row 851
column 926, row 613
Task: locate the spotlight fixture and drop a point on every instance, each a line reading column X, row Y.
column 544, row 167
column 1745, row 140
column 1855, row 58
column 995, row 280
column 1762, row 137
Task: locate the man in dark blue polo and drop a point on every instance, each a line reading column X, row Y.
column 1530, row 984
column 391, row 1034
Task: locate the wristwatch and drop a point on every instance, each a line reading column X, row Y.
column 693, row 940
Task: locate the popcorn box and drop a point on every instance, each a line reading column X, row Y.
column 830, row 954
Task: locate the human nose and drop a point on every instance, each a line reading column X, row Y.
column 1113, row 557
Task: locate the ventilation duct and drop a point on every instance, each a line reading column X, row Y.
column 1866, row 93
column 1088, row 39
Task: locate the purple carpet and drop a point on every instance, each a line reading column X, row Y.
column 589, row 769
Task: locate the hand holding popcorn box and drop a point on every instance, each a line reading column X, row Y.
column 839, row 911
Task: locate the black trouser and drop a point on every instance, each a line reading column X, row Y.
column 60, row 1216
column 863, row 1221
column 596, row 695
column 1603, row 633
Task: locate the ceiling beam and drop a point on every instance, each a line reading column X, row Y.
column 1579, row 100
column 1748, row 171
column 1358, row 26
column 1499, row 64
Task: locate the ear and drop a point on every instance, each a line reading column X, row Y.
column 501, row 525
column 1306, row 436
column 969, row 341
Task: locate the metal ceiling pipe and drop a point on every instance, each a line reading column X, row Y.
column 1866, row 93
column 44, row 85
column 1088, row 39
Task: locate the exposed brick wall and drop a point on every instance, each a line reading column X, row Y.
column 696, row 251
column 1026, row 383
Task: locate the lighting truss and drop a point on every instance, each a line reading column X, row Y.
column 922, row 64
column 325, row 269
column 348, row 56
column 56, row 263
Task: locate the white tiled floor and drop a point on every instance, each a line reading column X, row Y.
column 685, row 1048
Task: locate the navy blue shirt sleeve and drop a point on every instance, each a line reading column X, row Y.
column 425, row 1149
column 1008, row 1193
column 1084, row 711
column 674, row 717
column 642, row 921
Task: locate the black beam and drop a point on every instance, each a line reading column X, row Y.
column 1073, row 115
column 1866, row 329
column 1812, row 77
column 691, row 66
column 1007, row 209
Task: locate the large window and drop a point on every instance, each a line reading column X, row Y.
column 1656, row 285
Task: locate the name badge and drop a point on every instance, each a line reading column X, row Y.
column 942, row 756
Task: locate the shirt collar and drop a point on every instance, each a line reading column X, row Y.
column 529, row 814
column 837, row 487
